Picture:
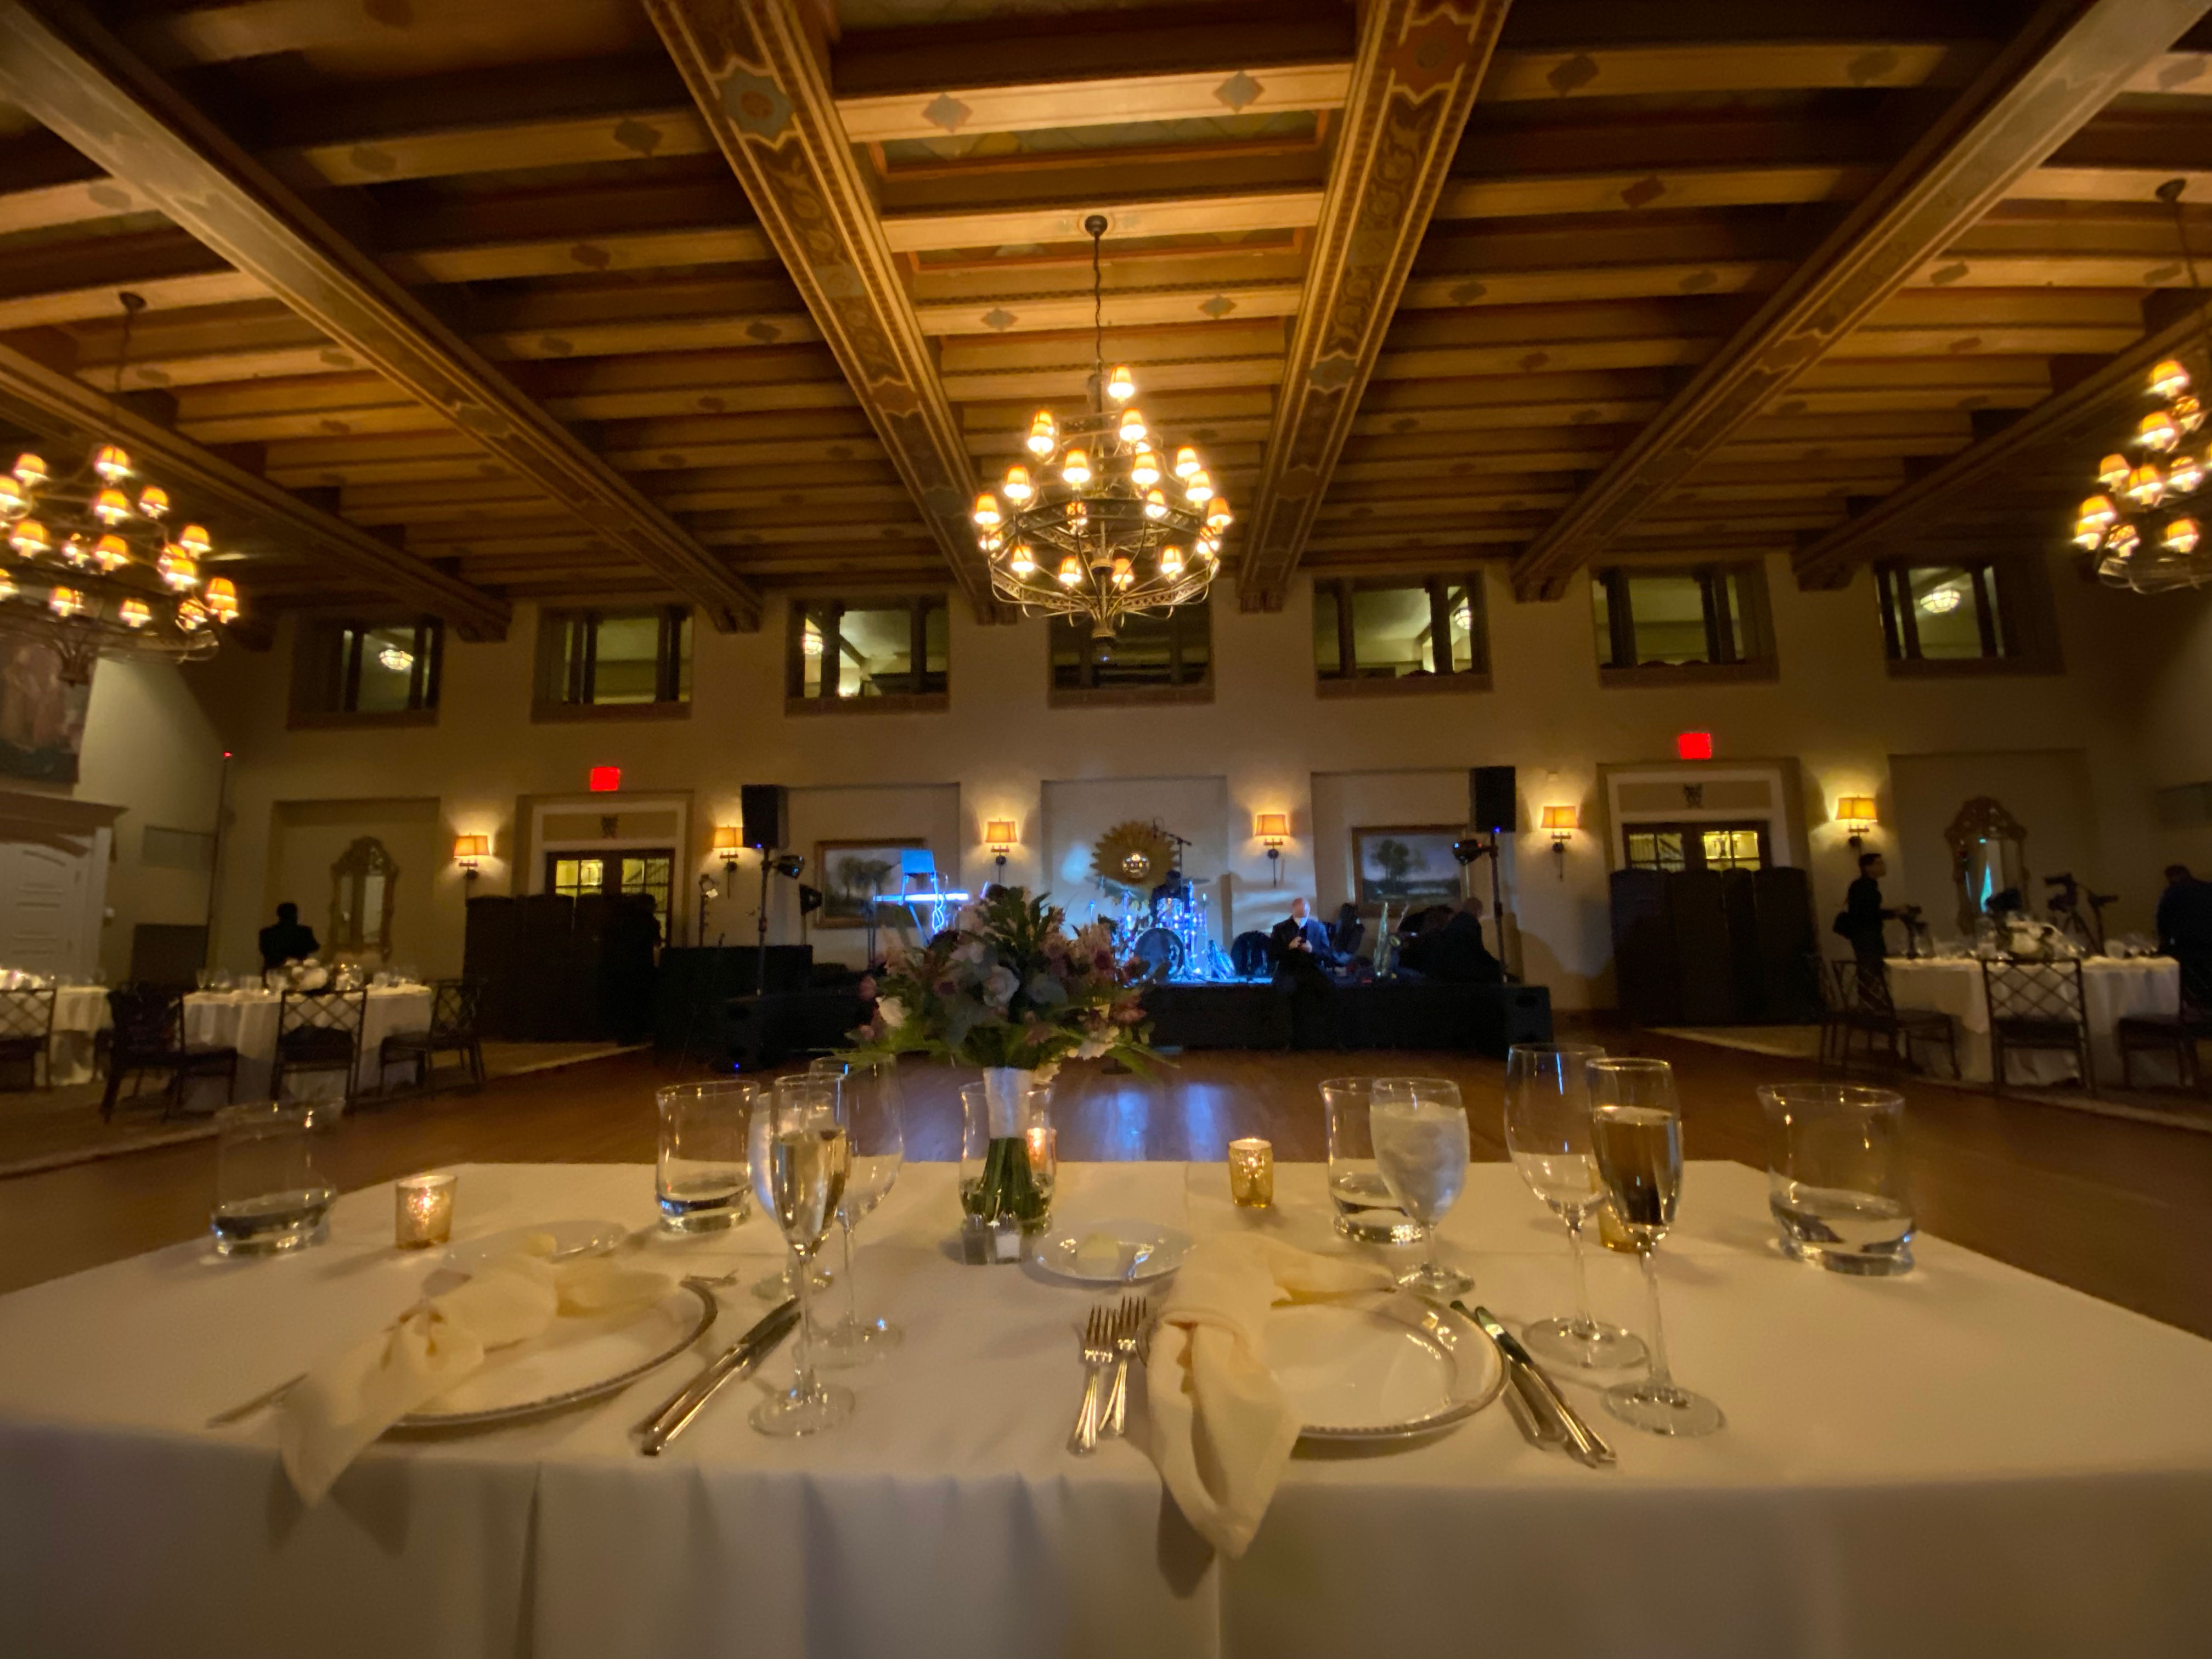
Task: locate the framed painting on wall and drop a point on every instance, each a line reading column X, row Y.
column 1407, row 863
column 41, row 715
column 854, row 872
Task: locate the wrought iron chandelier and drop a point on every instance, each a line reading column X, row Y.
column 1105, row 526
column 89, row 566
column 2139, row 525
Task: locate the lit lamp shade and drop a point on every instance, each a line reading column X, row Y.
column 729, row 838
column 999, row 833
column 471, row 847
column 1856, row 809
column 1559, row 819
column 1273, row 827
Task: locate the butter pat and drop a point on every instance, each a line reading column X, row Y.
column 1099, row 1253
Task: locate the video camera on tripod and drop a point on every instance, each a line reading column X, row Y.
column 2067, row 902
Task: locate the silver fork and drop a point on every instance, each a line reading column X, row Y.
column 1128, row 1326
column 1097, row 1354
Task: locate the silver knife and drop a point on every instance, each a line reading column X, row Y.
column 673, row 1419
column 1585, row 1441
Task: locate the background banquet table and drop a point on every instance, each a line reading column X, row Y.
column 79, row 1016
column 2112, row 989
column 1964, row 1461
column 246, row 1021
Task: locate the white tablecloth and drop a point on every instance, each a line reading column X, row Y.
column 246, row 1021
column 2112, row 989
column 79, row 1016
column 1966, row 1460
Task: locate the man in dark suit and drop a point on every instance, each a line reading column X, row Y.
column 1864, row 915
column 1301, row 930
column 286, row 940
column 2185, row 927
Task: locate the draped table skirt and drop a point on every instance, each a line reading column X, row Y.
column 246, row 1021
column 2112, row 990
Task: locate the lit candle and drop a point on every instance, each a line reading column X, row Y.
column 423, row 1210
column 1251, row 1173
column 1045, row 1154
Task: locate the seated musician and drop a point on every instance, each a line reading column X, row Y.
column 1302, row 931
column 1451, row 952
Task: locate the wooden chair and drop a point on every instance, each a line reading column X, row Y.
column 2178, row 1033
column 26, row 1035
column 146, row 1033
column 453, row 1029
column 319, row 1031
column 2037, row 1006
column 1855, row 998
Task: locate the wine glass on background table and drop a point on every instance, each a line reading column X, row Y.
column 1635, row 1134
column 1547, row 1130
column 872, row 1107
column 1419, row 1130
column 809, row 1158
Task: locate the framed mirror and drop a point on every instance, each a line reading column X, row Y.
column 362, row 887
column 1988, row 858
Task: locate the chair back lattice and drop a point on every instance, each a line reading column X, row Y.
column 146, row 1018
column 454, row 1005
column 1828, row 976
column 2035, row 993
column 27, row 1014
column 320, row 1024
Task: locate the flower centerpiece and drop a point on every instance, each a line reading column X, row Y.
column 1007, row 988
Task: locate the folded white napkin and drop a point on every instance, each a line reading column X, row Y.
column 1220, row 1430
column 333, row 1412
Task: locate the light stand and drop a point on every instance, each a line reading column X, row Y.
column 782, row 864
column 1467, row 851
column 707, row 890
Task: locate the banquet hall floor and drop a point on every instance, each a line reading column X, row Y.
column 2117, row 1209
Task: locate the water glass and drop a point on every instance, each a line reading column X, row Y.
column 1636, row 1134
column 269, row 1196
column 700, row 1178
column 1419, row 1131
column 1835, row 1176
column 1547, row 1131
column 1365, row 1211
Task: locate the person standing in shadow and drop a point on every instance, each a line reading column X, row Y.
column 1861, row 923
column 2184, row 930
column 287, row 939
column 628, row 971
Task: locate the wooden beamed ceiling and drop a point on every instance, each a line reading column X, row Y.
column 548, row 299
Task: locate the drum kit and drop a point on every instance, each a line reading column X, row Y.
column 1169, row 930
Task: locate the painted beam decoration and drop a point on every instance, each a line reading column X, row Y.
column 2045, row 85
column 1414, row 83
column 84, row 86
column 753, row 67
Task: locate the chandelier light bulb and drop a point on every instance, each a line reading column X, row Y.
column 111, row 462
column 1078, row 518
column 77, row 551
column 110, row 553
column 1132, row 426
column 30, row 470
column 191, row 616
column 2187, row 414
column 1075, row 470
column 28, row 538
column 991, row 540
column 1123, row 575
column 1070, row 571
column 2113, row 471
column 13, row 499
column 2087, row 535
column 2157, row 432
column 66, row 602
column 2146, row 484
column 7, row 587
column 154, row 502
column 986, row 511
column 1156, row 504
column 1044, row 435
column 2184, row 475
column 111, row 506
column 194, row 540
column 2098, row 510
column 2122, row 541
column 133, row 613
column 2181, row 535
column 178, row 569
column 2169, row 380
column 1021, row 562
column 397, row 660
column 1186, row 462
column 1145, row 469
column 1119, row 385
column 1017, row 489
column 1199, row 488
column 222, row 599
column 1171, row 563
column 1217, row 514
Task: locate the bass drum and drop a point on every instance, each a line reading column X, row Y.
column 1160, row 952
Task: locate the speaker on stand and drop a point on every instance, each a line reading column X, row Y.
column 764, row 814
column 1493, row 809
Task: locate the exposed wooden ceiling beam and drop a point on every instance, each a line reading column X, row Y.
column 1413, row 86
column 753, row 69
column 43, row 400
column 1907, row 513
column 2055, row 75
column 75, row 79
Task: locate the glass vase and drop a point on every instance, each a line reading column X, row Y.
column 1003, row 1196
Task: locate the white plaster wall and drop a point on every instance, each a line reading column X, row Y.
column 1271, row 741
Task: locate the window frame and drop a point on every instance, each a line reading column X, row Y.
column 565, row 682
column 2016, row 612
column 1347, row 681
column 327, row 671
column 829, row 610
column 1692, row 832
column 1090, row 694
column 1755, row 660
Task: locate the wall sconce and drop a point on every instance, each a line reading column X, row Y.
column 729, row 841
column 467, row 849
column 1274, row 828
column 999, row 833
column 1857, row 814
column 1560, row 821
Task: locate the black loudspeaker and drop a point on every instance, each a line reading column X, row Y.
column 1492, row 806
column 766, row 811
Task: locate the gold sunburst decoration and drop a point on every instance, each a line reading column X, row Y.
column 1132, row 855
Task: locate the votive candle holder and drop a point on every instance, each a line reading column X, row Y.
column 423, row 1210
column 1043, row 1141
column 1251, row 1173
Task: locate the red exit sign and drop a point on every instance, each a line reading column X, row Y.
column 605, row 780
column 1690, row 745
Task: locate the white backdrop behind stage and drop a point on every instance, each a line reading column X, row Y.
column 1077, row 810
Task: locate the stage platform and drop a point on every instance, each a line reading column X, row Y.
column 1283, row 1013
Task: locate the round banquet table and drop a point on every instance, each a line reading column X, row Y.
column 2112, row 989
column 1968, row 1460
column 79, row 1016
column 246, row 1021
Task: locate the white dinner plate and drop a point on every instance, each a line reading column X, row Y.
column 572, row 1241
column 578, row 1358
column 1165, row 1249
column 1380, row 1366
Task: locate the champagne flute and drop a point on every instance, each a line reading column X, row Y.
column 1636, row 1134
column 1547, row 1130
column 830, row 1075
column 1418, row 1128
column 870, row 1106
column 808, row 1158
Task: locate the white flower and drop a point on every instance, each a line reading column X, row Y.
column 891, row 1012
column 998, row 988
column 970, row 951
column 1092, row 1047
